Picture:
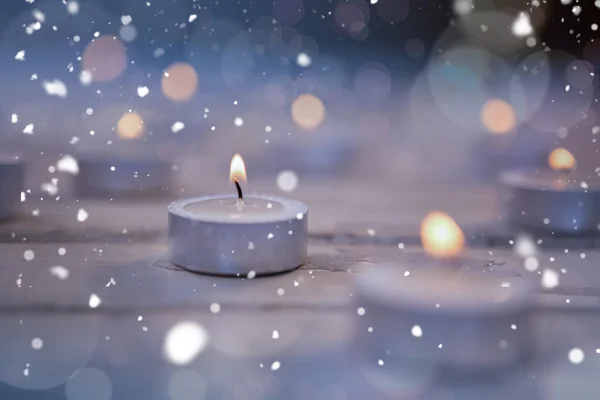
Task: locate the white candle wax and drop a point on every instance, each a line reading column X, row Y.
column 251, row 209
column 218, row 235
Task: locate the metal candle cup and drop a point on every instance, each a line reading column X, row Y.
column 551, row 201
column 215, row 235
column 440, row 321
column 12, row 171
column 123, row 176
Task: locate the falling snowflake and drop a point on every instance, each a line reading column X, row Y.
column 28, row 130
column 576, row 356
column 521, row 27
column 55, row 88
column 95, row 301
column 184, row 342
column 303, row 60
column 550, row 279
column 143, row 91
column 177, row 126
column 28, row 255
column 37, row 343
column 60, row 272
column 68, row 164
column 82, row 215
column 416, row 331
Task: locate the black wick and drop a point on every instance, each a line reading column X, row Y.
column 239, row 189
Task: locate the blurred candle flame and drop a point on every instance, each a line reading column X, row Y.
column 308, row 112
column 130, row 126
column 237, row 170
column 441, row 236
column 498, row 116
column 561, row 159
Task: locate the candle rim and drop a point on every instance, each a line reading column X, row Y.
column 296, row 207
column 529, row 180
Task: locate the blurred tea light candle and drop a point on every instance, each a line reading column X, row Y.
column 316, row 145
column 128, row 166
column 238, row 235
column 12, row 172
column 441, row 321
column 556, row 200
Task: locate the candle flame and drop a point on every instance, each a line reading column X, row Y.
column 561, row 159
column 237, row 170
column 441, row 236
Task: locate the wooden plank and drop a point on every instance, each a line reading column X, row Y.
column 140, row 276
column 313, row 351
column 336, row 207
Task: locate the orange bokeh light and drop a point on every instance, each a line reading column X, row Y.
column 308, row 111
column 104, row 58
column 130, row 126
column 561, row 159
column 498, row 116
column 179, row 82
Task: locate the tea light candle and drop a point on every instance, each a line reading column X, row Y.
column 238, row 235
column 552, row 200
column 12, row 172
column 123, row 174
column 331, row 150
column 442, row 320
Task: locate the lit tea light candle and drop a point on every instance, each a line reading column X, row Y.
column 442, row 320
column 129, row 167
column 12, row 172
column 554, row 200
column 238, row 235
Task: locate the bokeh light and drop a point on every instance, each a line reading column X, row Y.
column 498, row 116
column 441, row 236
column 287, row 181
column 561, row 159
column 308, row 111
column 105, row 58
column 179, row 82
column 351, row 16
column 187, row 384
column 392, row 10
column 288, row 12
column 130, row 126
column 89, row 383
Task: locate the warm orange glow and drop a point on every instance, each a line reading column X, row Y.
column 130, row 126
column 441, row 236
column 561, row 160
column 237, row 170
column 308, row 111
column 498, row 116
column 104, row 58
column 179, row 82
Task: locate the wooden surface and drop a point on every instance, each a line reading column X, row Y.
column 119, row 254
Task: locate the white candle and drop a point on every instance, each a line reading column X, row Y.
column 12, row 173
column 561, row 200
column 238, row 235
column 443, row 319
